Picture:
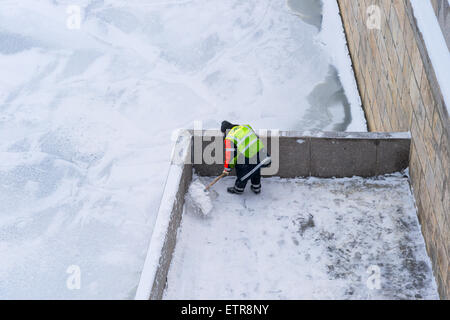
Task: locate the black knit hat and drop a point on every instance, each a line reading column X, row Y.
column 226, row 126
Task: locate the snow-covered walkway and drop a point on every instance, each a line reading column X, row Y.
column 304, row 239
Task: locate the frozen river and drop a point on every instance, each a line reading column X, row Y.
column 89, row 103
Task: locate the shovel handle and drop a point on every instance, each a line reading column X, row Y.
column 215, row 181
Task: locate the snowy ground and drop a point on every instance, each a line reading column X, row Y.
column 87, row 115
column 304, row 239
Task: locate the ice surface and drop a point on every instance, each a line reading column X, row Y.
column 305, row 239
column 308, row 11
column 87, row 116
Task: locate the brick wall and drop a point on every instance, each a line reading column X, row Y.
column 399, row 91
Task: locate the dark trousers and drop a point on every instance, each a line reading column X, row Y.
column 241, row 171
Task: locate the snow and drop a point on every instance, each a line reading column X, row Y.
column 180, row 156
column 435, row 43
column 198, row 199
column 87, row 116
column 305, row 239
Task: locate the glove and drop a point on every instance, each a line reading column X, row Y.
column 226, row 171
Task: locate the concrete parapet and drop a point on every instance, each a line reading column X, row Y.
column 319, row 154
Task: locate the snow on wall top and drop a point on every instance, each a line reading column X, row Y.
column 436, row 46
column 314, row 134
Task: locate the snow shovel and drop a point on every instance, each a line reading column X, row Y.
column 199, row 199
column 215, row 181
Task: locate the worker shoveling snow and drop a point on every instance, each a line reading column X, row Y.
column 304, row 239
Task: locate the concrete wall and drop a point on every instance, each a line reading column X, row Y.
column 400, row 92
column 170, row 240
column 321, row 155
